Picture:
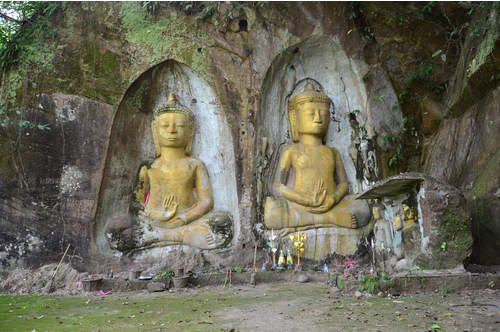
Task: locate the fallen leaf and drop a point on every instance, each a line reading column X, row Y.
column 448, row 315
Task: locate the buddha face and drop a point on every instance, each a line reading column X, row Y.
column 408, row 212
column 173, row 130
column 377, row 213
column 313, row 118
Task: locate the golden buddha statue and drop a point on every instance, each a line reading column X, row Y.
column 172, row 194
column 408, row 211
column 310, row 197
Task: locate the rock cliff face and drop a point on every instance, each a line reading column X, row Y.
column 90, row 75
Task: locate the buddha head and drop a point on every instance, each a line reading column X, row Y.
column 378, row 211
column 309, row 113
column 409, row 210
column 173, row 126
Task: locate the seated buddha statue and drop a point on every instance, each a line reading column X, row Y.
column 309, row 196
column 172, row 199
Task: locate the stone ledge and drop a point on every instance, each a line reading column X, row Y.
column 422, row 283
column 426, row 283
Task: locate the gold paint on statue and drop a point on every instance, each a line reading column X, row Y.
column 398, row 224
column 408, row 214
column 172, row 194
column 311, row 199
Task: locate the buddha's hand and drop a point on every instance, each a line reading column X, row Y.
column 285, row 231
column 328, row 203
column 177, row 222
column 318, row 195
column 169, row 207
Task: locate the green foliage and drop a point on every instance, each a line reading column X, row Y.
column 491, row 284
column 340, row 284
column 443, row 246
column 207, row 12
column 188, row 7
column 447, row 290
column 166, row 274
column 14, row 118
column 238, row 269
column 284, row 33
column 371, row 285
column 19, row 27
column 397, row 156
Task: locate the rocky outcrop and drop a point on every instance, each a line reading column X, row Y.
column 87, row 65
column 465, row 153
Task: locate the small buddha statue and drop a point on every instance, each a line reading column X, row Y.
column 408, row 211
column 405, row 227
column 172, row 198
column 382, row 228
column 309, row 196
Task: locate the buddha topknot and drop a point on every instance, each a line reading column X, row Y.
column 173, row 105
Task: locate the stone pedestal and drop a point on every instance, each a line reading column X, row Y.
column 322, row 242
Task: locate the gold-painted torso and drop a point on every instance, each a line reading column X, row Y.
column 310, row 197
column 304, row 160
column 172, row 178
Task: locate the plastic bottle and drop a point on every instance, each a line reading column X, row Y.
column 325, row 269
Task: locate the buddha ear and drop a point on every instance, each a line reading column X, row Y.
column 155, row 138
column 293, row 124
column 189, row 146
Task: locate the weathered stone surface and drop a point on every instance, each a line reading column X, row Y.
column 156, row 287
column 465, row 153
column 432, row 113
column 303, row 278
column 49, row 183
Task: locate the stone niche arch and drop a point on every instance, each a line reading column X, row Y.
column 322, row 61
column 131, row 141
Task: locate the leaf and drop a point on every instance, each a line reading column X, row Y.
column 436, row 53
column 448, row 315
column 443, row 57
column 436, row 327
column 284, row 33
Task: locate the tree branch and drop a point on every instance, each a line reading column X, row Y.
column 2, row 15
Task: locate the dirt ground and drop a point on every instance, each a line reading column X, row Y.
column 265, row 307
